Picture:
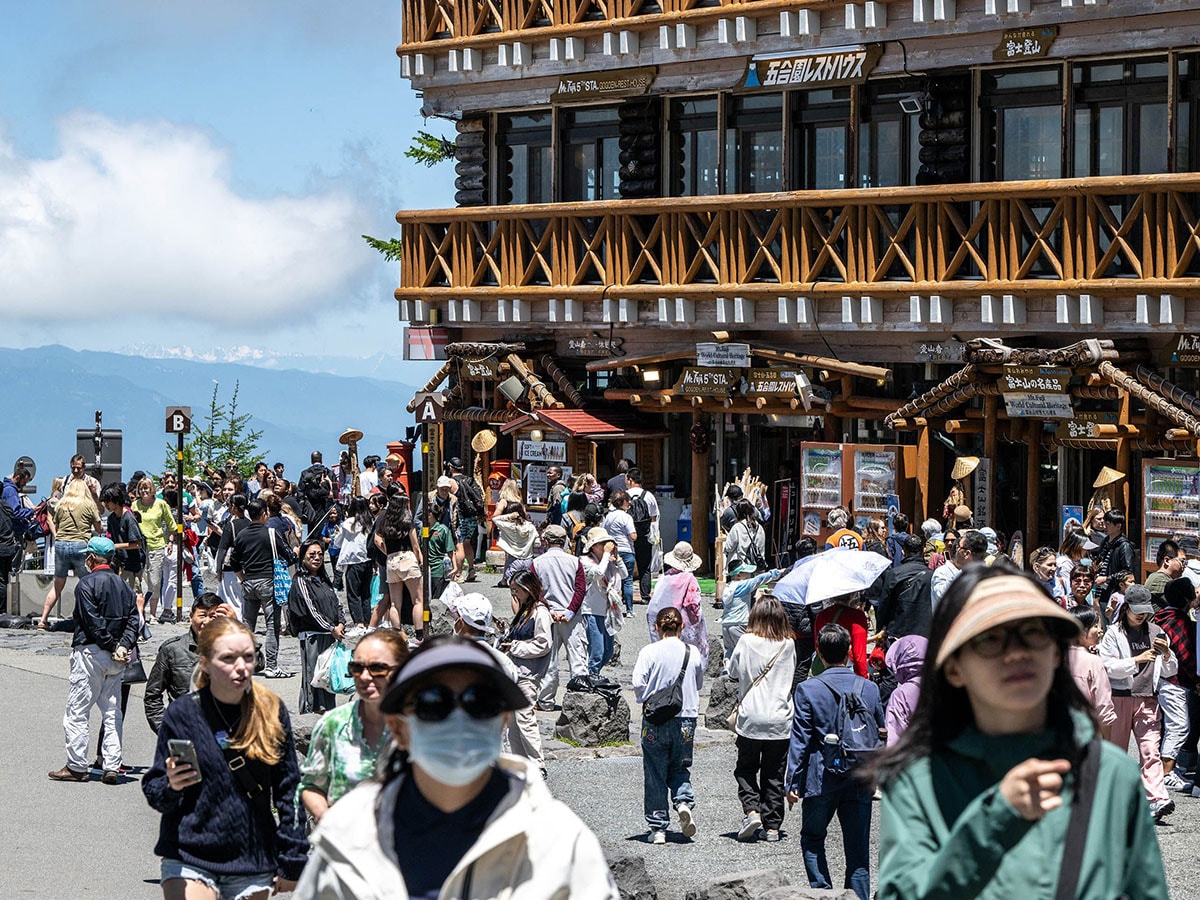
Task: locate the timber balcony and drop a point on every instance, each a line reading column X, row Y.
column 1115, row 236
column 429, row 25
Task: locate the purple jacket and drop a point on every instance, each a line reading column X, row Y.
column 905, row 658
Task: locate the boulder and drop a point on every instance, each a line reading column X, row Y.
column 721, row 699
column 302, row 735
column 716, row 657
column 740, row 885
column 441, row 620
column 633, row 881
column 796, row 892
column 588, row 720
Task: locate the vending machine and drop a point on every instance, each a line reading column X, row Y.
column 821, row 487
column 1170, row 505
column 869, row 480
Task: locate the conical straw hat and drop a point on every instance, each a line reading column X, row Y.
column 964, row 466
column 484, row 441
column 1107, row 476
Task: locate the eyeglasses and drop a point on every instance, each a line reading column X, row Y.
column 1030, row 635
column 377, row 670
column 479, row 701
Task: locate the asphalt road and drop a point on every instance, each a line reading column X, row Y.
column 93, row 840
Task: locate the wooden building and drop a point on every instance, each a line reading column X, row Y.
column 870, row 183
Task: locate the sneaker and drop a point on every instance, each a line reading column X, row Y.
column 658, row 836
column 751, row 823
column 771, row 836
column 1160, row 808
column 110, row 777
column 686, row 823
column 1174, row 782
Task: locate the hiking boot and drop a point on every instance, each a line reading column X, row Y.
column 751, row 823
column 66, row 773
column 658, row 836
column 1160, row 808
column 688, row 825
column 111, row 777
column 1174, row 782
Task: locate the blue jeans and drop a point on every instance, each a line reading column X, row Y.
column 852, row 803
column 600, row 643
column 627, row 581
column 666, row 766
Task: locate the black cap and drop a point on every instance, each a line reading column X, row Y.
column 455, row 463
column 451, row 653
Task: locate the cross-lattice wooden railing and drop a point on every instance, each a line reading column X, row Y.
column 1098, row 234
column 449, row 23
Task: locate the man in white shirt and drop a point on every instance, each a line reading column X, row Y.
column 619, row 525
column 972, row 547
column 368, row 478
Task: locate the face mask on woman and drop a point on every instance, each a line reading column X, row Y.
column 456, row 750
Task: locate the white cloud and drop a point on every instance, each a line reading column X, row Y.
column 136, row 220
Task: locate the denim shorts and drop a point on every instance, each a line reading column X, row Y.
column 228, row 887
column 467, row 530
column 68, row 557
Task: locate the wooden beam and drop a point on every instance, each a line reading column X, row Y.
column 922, row 498
column 833, row 365
column 646, row 359
column 960, row 426
column 701, row 488
column 1033, row 445
column 1124, row 458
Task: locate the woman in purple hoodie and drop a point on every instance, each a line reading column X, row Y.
column 905, row 658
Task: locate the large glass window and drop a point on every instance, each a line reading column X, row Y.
column 590, row 154
column 524, row 165
column 1120, row 117
column 1187, row 120
column 1022, row 124
column 821, row 127
column 754, row 144
column 694, row 147
column 888, row 146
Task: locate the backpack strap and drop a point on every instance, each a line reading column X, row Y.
column 1077, row 825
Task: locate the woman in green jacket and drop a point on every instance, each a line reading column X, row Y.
column 979, row 791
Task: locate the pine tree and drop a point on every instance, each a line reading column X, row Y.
column 226, row 435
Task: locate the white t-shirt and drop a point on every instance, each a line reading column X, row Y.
column 619, row 524
column 658, row 666
column 765, row 712
column 649, row 498
column 367, row 479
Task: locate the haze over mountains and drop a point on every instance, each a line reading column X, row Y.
column 52, row 391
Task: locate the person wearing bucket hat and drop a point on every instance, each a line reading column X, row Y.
column 980, row 790
column 442, row 818
column 1137, row 654
column 677, row 587
column 603, row 572
column 106, row 630
column 959, row 490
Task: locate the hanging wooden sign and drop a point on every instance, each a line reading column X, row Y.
column 479, row 368
column 1037, row 379
column 595, row 347
column 704, row 382
column 1022, row 405
column 816, row 68
column 598, row 85
column 1186, row 352
column 723, row 356
column 1084, row 424
column 772, row 383
column 1025, row 43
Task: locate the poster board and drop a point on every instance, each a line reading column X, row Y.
column 536, row 487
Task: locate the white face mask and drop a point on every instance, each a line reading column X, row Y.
column 456, row 750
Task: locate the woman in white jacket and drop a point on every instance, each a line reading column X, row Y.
column 453, row 818
column 527, row 644
column 762, row 664
column 1138, row 656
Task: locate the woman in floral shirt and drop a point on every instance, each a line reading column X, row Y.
column 347, row 741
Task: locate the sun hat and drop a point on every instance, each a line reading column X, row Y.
column 964, row 466
column 1137, row 600
column 1107, row 476
column 554, row 534
column 474, row 609
column 595, row 536
column 450, row 653
column 738, row 567
column 682, row 557
column 101, row 546
column 962, row 514
column 998, row 601
column 484, row 441
column 993, row 541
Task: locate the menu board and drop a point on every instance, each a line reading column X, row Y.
column 1172, row 504
column 874, row 481
column 536, row 487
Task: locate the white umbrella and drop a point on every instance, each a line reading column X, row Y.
column 830, row 574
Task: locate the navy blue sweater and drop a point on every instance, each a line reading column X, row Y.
column 213, row 824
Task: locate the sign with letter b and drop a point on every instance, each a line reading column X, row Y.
column 179, row 419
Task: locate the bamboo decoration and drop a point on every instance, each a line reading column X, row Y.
column 560, row 378
column 432, row 384
column 540, row 391
column 480, row 414
column 963, row 378
column 1173, row 392
column 1152, row 400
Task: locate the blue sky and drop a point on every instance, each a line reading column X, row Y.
column 198, row 174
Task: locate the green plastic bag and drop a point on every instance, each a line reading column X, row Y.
column 376, row 589
column 340, row 679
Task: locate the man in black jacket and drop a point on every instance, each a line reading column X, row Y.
column 176, row 661
column 10, row 548
column 906, row 607
column 316, row 487
column 253, row 559
column 106, row 628
column 1117, row 553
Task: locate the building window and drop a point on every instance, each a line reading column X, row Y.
column 1187, row 119
column 754, row 144
column 694, row 147
column 525, row 167
column 888, row 146
column 1022, row 124
column 821, row 133
column 1120, row 117
column 590, row 154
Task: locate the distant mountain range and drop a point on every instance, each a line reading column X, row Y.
column 379, row 365
column 52, row 391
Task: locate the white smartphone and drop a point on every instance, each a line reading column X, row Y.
column 185, row 752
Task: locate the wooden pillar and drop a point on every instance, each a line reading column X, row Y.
column 1124, row 460
column 1033, row 439
column 989, row 450
column 701, row 500
column 922, row 498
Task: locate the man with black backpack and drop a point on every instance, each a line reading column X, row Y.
column 838, row 725
column 470, row 508
column 643, row 509
column 315, row 487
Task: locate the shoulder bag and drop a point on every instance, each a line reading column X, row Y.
column 732, row 717
column 666, row 703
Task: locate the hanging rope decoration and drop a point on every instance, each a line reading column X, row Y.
column 699, row 439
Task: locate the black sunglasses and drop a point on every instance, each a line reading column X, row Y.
column 377, row 670
column 479, row 701
column 995, row 642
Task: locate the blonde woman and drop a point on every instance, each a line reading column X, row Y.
column 229, row 829
column 76, row 519
column 158, row 527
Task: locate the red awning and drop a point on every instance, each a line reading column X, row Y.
column 599, row 426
